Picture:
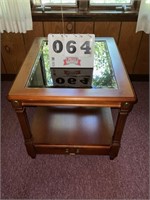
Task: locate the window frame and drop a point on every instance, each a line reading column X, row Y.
column 49, row 6
column 84, row 5
column 112, row 4
column 115, row 7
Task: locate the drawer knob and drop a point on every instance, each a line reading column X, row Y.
column 78, row 151
column 7, row 48
column 67, row 150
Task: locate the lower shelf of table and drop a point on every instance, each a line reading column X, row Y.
column 72, row 130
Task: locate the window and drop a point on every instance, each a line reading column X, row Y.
column 84, row 4
column 52, row 4
column 110, row 2
column 113, row 4
column 55, row 2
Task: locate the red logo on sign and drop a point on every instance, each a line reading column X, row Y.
column 72, row 60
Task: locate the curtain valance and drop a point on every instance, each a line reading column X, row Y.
column 15, row 16
column 143, row 23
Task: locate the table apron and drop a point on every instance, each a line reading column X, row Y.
column 102, row 104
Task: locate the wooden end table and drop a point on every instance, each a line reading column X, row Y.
column 73, row 120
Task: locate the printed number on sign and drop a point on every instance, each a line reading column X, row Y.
column 70, row 47
column 60, row 80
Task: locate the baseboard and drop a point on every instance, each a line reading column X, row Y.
column 139, row 77
column 8, row 77
column 133, row 77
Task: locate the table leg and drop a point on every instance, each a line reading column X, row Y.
column 121, row 120
column 24, row 123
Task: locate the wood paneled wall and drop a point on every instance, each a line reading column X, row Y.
column 107, row 29
column 3, row 69
column 129, row 44
column 13, row 51
column 141, row 66
column 38, row 31
column 133, row 46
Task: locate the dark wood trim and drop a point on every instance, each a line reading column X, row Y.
column 74, row 15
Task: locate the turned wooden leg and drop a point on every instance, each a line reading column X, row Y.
column 24, row 123
column 121, row 120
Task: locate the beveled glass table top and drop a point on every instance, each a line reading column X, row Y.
column 103, row 73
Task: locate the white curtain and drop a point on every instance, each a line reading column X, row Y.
column 143, row 23
column 15, row 16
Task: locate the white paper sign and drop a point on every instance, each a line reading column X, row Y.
column 71, row 50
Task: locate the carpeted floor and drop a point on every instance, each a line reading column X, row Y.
column 77, row 177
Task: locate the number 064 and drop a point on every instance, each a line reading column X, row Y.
column 71, row 47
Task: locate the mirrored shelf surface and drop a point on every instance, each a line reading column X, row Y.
column 103, row 74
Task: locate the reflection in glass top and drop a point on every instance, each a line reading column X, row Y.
column 103, row 74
